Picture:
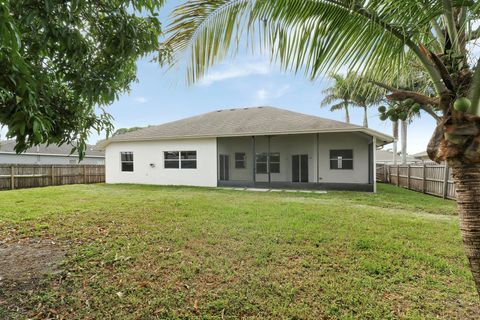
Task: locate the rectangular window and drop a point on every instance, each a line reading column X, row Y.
column 240, row 160
column 171, row 159
column 189, row 160
column 341, row 159
column 127, row 161
column 180, row 159
column 262, row 163
column 275, row 162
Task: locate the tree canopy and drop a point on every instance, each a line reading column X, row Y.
column 62, row 62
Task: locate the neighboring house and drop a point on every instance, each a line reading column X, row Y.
column 262, row 147
column 422, row 156
column 386, row 157
column 52, row 154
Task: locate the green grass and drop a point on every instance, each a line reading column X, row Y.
column 140, row 252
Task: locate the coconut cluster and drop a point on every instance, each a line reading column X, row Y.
column 401, row 111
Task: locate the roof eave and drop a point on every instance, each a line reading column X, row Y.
column 382, row 139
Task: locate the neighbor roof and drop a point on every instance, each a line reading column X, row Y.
column 8, row 146
column 386, row 156
column 242, row 122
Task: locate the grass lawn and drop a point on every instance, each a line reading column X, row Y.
column 176, row 252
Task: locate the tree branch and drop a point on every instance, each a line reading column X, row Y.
column 400, row 95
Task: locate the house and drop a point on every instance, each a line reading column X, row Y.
column 423, row 157
column 261, row 147
column 43, row 154
column 386, row 157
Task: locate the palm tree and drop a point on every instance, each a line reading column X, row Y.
column 339, row 91
column 404, row 126
column 383, row 39
column 364, row 94
column 395, row 140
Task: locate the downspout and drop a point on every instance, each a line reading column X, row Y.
column 268, row 162
column 374, row 159
column 254, row 161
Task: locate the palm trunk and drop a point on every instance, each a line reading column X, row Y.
column 395, row 139
column 347, row 113
column 467, row 182
column 365, row 117
column 404, row 142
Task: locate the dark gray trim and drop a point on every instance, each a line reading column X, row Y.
column 268, row 161
column 300, row 186
column 254, row 160
column 317, row 178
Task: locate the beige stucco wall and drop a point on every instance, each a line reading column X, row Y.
column 151, row 152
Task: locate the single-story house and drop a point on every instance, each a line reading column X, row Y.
column 262, row 147
column 52, row 154
column 423, row 157
column 386, row 157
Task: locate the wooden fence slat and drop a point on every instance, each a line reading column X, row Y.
column 12, row 178
column 424, row 178
column 18, row 176
column 445, row 182
column 427, row 178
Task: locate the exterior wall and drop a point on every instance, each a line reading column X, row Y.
column 288, row 145
column 11, row 158
column 148, row 153
column 358, row 143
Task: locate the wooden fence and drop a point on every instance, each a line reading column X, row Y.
column 19, row 176
column 428, row 178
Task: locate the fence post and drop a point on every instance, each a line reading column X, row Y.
column 445, row 181
column 84, row 174
column 52, row 173
column 424, row 186
column 12, row 177
column 398, row 175
column 408, row 177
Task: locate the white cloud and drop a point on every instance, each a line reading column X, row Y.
column 141, row 100
column 263, row 95
column 235, row 70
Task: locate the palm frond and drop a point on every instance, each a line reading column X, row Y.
column 316, row 36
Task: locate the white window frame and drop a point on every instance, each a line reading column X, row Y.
column 243, row 161
column 179, row 160
column 267, row 163
column 340, row 160
column 127, row 161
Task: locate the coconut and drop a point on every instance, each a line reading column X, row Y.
column 462, row 104
column 382, row 109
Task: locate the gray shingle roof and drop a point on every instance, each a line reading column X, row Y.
column 8, row 146
column 238, row 122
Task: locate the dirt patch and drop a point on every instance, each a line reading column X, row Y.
column 22, row 267
column 22, row 262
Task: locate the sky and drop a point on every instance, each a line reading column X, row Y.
column 162, row 95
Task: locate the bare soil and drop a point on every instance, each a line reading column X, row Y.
column 23, row 266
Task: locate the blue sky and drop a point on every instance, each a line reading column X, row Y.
column 161, row 96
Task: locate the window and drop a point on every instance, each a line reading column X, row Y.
column 341, row 159
column 127, row 161
column 180, row 159
column 189, row 160
column 240, row 160
column 275, row 162
column 262, row 163
column 171, row 160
